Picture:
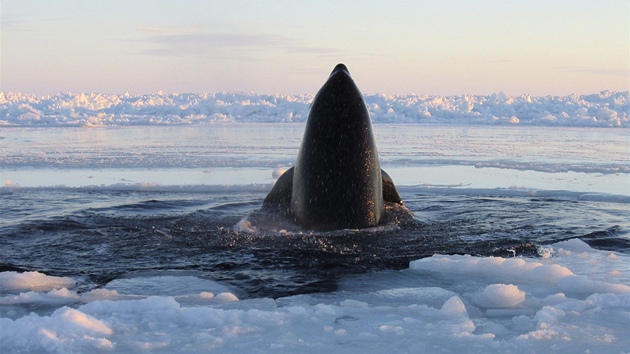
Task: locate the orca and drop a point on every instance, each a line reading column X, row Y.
column 337, row 182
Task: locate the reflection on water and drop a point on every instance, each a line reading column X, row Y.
column 576, row 159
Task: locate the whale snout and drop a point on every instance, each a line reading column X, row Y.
column 340, row 67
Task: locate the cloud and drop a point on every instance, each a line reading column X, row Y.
column 604, row 72
column 14, row 23
column 187, row 44
column 169, row 30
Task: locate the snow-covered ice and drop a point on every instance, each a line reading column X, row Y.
column 573, row 298
column 603, row 109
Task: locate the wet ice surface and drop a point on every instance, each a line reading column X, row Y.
column 575, row 159
column 128, row 239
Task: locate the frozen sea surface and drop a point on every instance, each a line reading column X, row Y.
column 130, row 239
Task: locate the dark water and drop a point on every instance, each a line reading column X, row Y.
column 96, row 236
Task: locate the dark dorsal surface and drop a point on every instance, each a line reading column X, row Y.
column 337, row 177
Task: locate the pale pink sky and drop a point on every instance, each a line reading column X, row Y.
column 395, row 47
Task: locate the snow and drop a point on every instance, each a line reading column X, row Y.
column 499, row 296
column 33, row 281
column 570, row 299
column 603, row 109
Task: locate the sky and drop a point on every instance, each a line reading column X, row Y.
column 449, row 47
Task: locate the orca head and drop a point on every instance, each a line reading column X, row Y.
column 340, row 67
column 337, row 179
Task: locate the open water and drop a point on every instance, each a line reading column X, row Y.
column 100, row 204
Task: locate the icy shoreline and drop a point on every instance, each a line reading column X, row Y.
column 603, row 109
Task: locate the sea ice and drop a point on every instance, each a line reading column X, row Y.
column 603, row 109
column 34, row 281
column 472, row 309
